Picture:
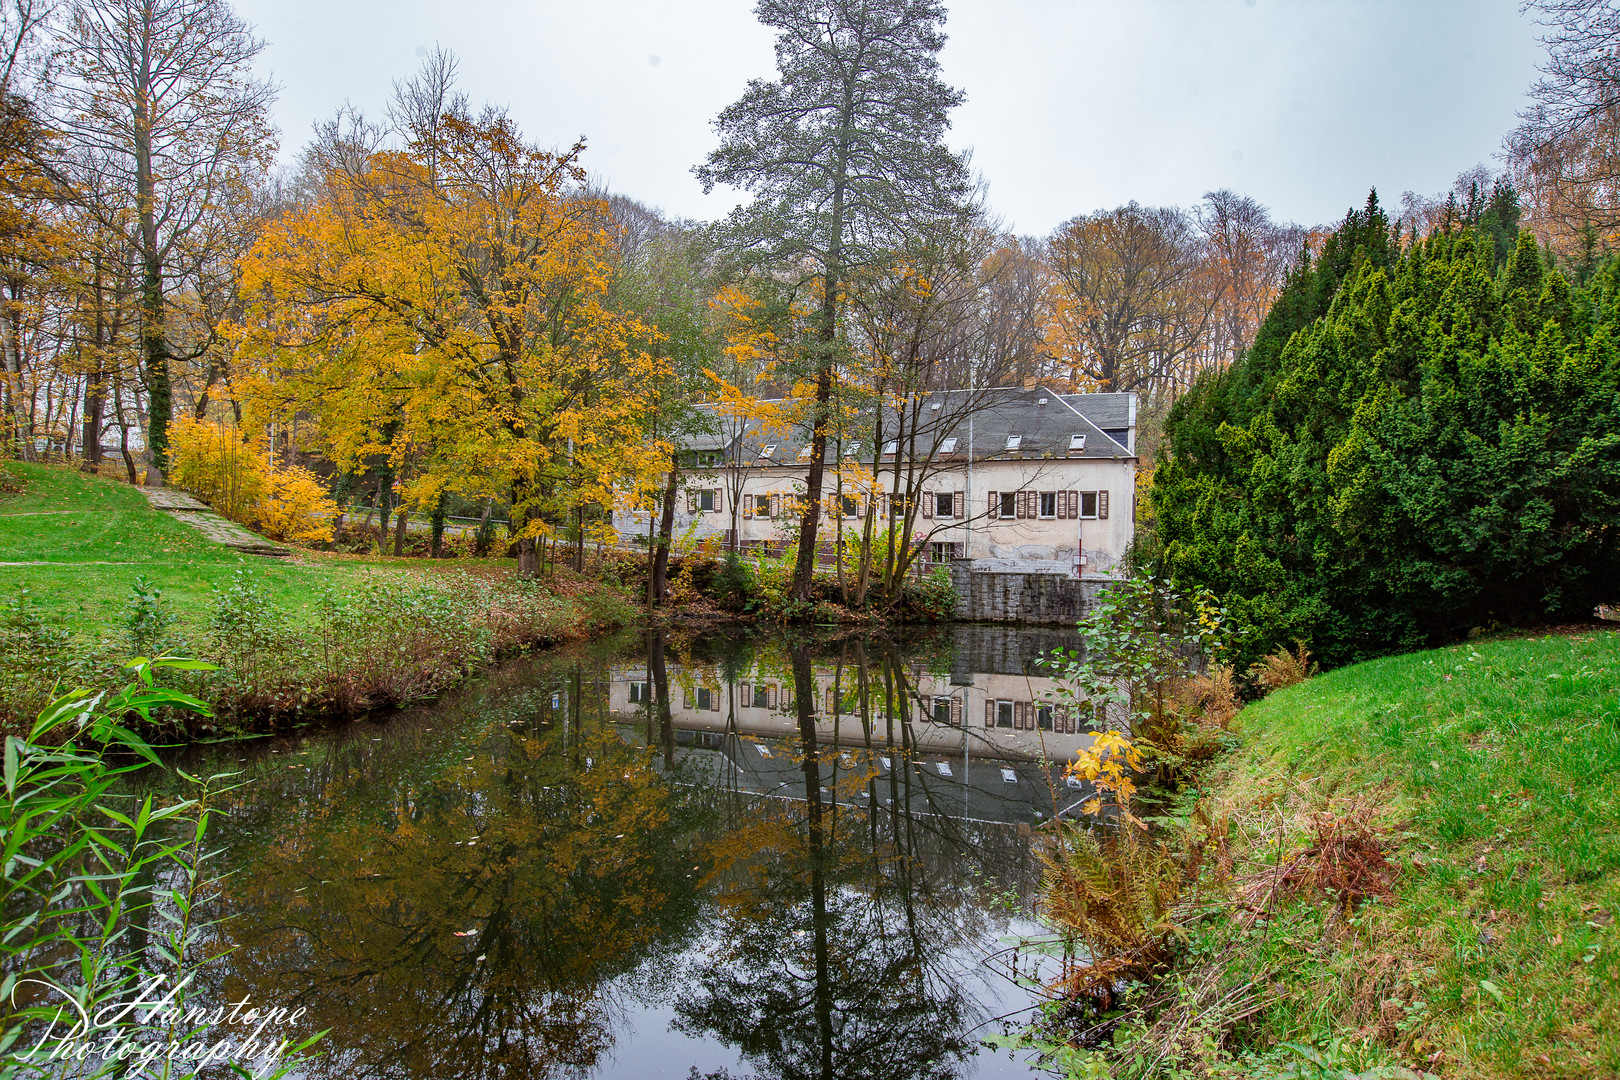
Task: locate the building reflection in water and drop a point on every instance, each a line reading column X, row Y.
column 568, row 871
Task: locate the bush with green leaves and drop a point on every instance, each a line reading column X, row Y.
column 1140, row 637
column 1424, row 439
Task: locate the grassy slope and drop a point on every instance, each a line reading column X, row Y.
column 1496, row 768
column 75, row 522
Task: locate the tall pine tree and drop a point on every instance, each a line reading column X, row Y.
column 844, row 155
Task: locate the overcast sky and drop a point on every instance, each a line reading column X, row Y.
column 1072, row 105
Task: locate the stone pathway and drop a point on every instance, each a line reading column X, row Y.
column 204, row 520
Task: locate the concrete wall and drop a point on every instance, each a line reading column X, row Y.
column 1035, row 599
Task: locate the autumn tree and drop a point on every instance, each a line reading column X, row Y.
column 444, row 305
column 1247, row 257
column 1564, row 153
column 844, row 156
column 1130, row 299
column 159, row 103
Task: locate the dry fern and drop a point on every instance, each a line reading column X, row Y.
column 1283, row 668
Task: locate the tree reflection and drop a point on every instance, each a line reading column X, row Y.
column 555, row 846
column 829, row 968
column 507, row 881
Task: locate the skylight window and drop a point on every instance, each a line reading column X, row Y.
column 948, row 446
column 768, row 450
column 891, row 447
column 805, row 452
column 1014, row 442
column 852, row 449
column 1076, row 443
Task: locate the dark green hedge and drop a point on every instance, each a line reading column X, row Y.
column 1425, row 438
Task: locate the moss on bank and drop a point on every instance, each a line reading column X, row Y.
column 1487, row 776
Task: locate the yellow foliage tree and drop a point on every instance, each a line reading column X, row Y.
column 441, row 308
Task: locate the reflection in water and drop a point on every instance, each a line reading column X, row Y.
column 563, row 874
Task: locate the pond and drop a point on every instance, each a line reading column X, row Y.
column 714, row 857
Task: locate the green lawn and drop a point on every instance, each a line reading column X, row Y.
column 1494, row 772
column 96, row 536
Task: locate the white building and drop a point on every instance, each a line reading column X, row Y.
column 1011, row 478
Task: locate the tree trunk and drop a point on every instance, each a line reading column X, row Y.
column 666, row 527
column 804, row 567
column 436, row 549
column 384, row 501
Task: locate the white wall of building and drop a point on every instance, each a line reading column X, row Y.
column 1104, row 490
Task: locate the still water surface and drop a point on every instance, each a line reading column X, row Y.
column 720, row 858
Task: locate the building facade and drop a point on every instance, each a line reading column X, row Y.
column 1015, row 478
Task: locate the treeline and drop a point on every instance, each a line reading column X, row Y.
column 431, row 310
column 1424, row 440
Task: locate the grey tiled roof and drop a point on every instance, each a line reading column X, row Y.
column 988, row 416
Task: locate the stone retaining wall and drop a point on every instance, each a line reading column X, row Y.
column 1036, row 599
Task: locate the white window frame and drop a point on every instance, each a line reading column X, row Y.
column 767, row 450
column 1040, row 505
column 1012, row 714
column 948, row 446
column 1077, row 443
column 1002, row 513
column 1014, row 442
column 1095, row 503
column 762, row 505
column 708, row 494
column 947, row 499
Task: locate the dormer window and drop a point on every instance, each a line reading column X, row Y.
column 1014, row 442
column 767, row 450
column 948, row 446
column 1077, row 444
column 891, row 448
column 852, row 449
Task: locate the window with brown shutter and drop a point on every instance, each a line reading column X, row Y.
column 928, row 504
column 956, row 711
column 719, row 500
column 958, row 505
column 1023, row 505
column 995, row 505
column 1102, row 504
column 1074, row 504
column 770, row 697
column 745, row 693
column 990, row 714
column 691, row 502
column 776, row 505
column 747, row 508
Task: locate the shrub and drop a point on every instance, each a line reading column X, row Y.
column 295, row 507
column 929, row 598
column 212, row 462
column 150, row 624
column 733, row 584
